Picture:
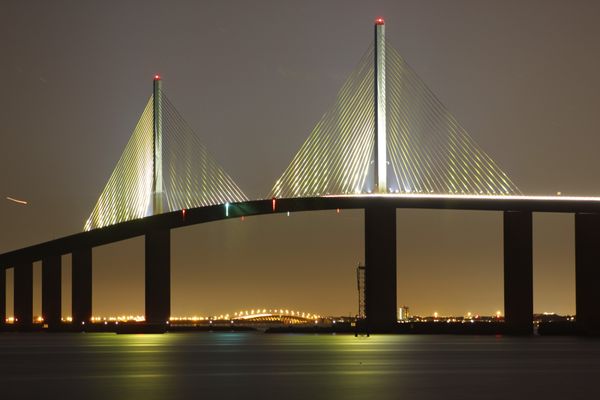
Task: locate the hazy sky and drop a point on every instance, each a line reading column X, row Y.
column 252, row 79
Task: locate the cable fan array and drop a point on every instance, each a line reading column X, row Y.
column 191, row 176
column 428, row 151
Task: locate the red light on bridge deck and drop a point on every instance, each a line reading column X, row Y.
column 379, row 21
column 337, row 210
column 243, row 218
column 183, row 214
column 157, row 77
column 274, row 203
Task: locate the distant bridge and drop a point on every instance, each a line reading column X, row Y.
column 387, row 143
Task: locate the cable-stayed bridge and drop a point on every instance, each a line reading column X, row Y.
column 158, row 172
column 386, row 143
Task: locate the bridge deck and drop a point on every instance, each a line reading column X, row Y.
column 139, row 227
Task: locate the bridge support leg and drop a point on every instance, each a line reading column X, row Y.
column 23, row 294
column 2, row 297
column 380, row 268
column 51, row 290
column 587, row 272
column 81, row 285
column 518, row 272
column 158, row 276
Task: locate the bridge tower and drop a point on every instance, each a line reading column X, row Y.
column 157, row 241
column 380, row 217
column 157, row 198
column 380, row 164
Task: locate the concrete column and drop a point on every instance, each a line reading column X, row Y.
column 2, row 296
column 158, row 198
column 23, row 294
column 51, row 289
column 380, row 165
column 518, row 272
column 380, row 267
column 587, row 272
column 81, row 285
column 158, row 276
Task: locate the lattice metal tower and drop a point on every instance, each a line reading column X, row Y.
column 360, row 284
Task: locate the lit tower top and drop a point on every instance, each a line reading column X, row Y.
column 380, row 170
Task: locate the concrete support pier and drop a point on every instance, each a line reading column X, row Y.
column 158, row 276
column 587, row 272
column 23, row 294
column 380, row 268
column 518, row 272
column 81, row 285
column 51, row 290
column 2, row 297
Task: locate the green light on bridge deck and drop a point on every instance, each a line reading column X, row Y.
column 227, row 209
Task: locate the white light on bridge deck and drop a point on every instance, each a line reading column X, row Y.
column 473, row 197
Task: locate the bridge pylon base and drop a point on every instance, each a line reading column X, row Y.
column 380, row 268
column 518, row 272
column 2, row 297
column 51, row 290
column 158, row 276
column 587, row 273
column 81, row 286
column 23, row 295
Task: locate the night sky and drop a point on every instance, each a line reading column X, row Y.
column 252, row 79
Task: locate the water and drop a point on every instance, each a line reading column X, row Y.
column 261, row 366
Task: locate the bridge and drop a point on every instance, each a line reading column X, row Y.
column 386, row 143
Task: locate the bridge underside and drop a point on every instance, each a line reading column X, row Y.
column 380, row 254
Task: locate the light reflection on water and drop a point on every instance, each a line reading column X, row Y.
column 256, row 365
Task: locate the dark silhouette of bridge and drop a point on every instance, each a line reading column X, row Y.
column 373, row 151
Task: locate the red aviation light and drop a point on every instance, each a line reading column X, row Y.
column 379, row 21
column 157, row 77
column 274, row 201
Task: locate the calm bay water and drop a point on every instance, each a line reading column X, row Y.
column 256, row 365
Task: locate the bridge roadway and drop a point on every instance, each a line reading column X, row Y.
column 380, row 254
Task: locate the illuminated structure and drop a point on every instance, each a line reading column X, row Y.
column 433, row 164
column 157, row 197
column 164, row 167
column 403, row 313
column 274, row 315
column 387, row 132
column 380, row 150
